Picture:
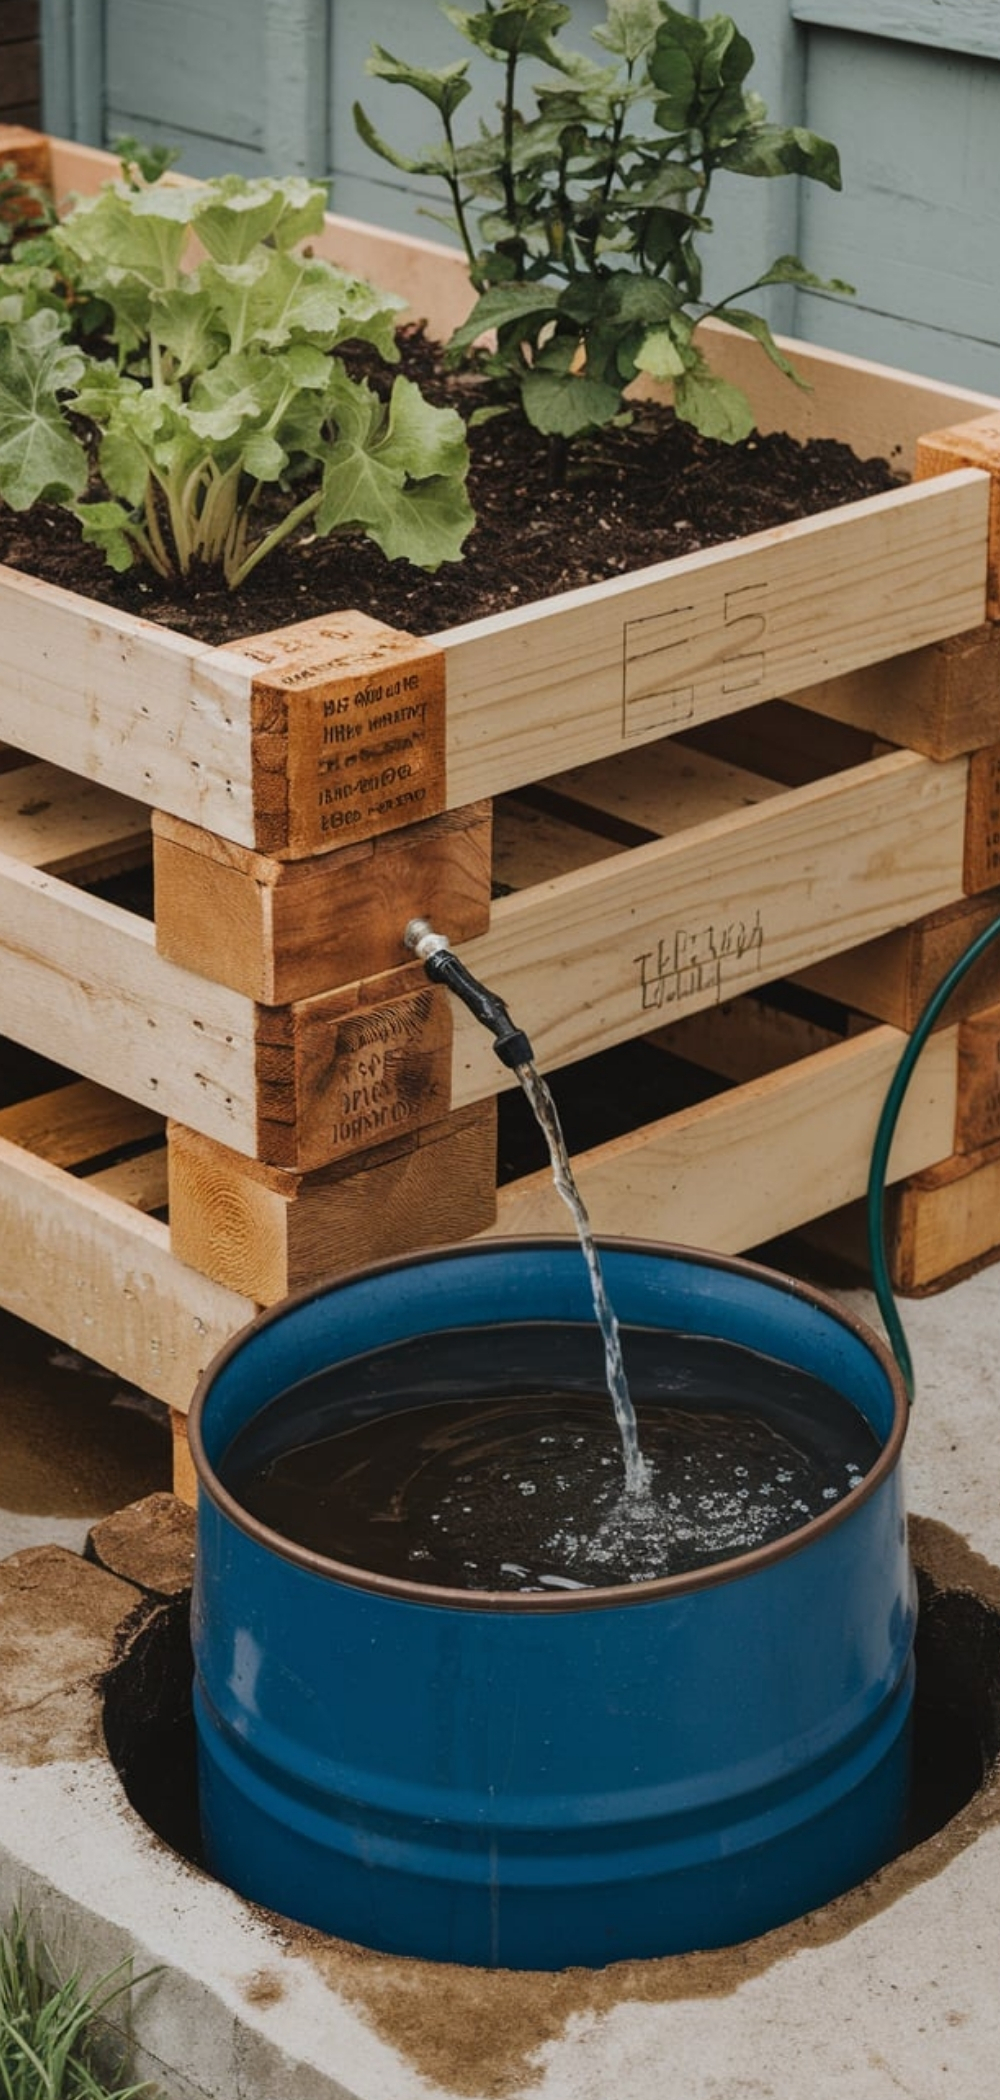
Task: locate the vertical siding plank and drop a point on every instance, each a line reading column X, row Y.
column 295, row 69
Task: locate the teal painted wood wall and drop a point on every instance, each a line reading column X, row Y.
column 909, row 89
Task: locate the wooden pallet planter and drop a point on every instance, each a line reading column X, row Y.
column 605, row 800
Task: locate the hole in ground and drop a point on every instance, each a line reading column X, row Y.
column 149, row 1725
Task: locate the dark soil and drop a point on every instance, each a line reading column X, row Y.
column 641, row 495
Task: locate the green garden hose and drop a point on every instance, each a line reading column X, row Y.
column 883, row 1143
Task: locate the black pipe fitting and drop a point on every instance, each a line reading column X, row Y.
column 511, row 1044
column 442, row 966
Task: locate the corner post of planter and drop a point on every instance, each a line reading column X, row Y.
column 30, row 152
column 269, row 1231
column 973, row 444
column 347, row 733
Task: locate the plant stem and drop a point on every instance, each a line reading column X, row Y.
column 289, row 524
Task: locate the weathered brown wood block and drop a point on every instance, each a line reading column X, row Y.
column 30, row 150
column 945, row 1222
column 893, row 977
column 265, row 1233
column 347, row 732
column 982, row 821
column 282, row 930
column 351, row 1069
column 940, row 700
column 973, row 444
column 978, row 1119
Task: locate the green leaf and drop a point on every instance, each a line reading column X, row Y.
column 522, row 26
column 525, row 306
column 264, row 458
column 426, row 525
column 715, row 407
column 446, row 88
column 659, row 356
column 234, row 213
column 124, row 462
column 397, row 473
column 108, row 526
column 150, row 161
column 234, row 398
column 377, row 144
column 565, row 404
column 272, row 299
column 771, row 149
column 789, row 270
column 630, row 28
column 39, row 455
column 186, row 325
column 423, row 439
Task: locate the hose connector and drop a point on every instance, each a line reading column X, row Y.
column 442, row 966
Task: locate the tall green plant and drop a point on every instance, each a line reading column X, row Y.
column 223, row 382
column 584, row 219
column 46, row 2026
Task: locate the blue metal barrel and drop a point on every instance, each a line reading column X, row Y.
column 540, row 1780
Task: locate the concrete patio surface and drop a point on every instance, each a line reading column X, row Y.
column 892, row 1990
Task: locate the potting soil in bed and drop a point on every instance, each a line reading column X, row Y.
column 637, row 496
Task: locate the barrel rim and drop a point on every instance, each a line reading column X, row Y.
column 663, row 1587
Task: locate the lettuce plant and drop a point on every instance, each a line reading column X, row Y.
column 222, row 382
column 583, row 220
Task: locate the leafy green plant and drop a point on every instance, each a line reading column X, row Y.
column 47, row 2026
column 592, row 209
column 223, row 384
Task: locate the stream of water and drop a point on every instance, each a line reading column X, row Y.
column 546, row 1114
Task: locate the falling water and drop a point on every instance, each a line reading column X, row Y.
column 547, row 1116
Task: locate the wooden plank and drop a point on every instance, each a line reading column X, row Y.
column 960, row 25
column 184, row 1477
column 974, row 444
column 893, row 977
column 349, row 1070
column 72, row 1124
column 200, row 62
column 595, row 671
column 939, row 700
column 284, row 930
column 18, row 19
column 760, row 1159
column 21, row 73
column 72, row 827
column 745, row 1038
column 265, row 1233
column 531, row 844
column 619, row 948
column 29, row 149
column 979, row 1083
column 296, row 36
column 877, row 409
column 946, row 1221
column 85, row 1267
column 982, row 844
column 664, row 788
column 348, row 732
column 784, row 742
column 127, row 703
column 83, row 976
column 140, row 1182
